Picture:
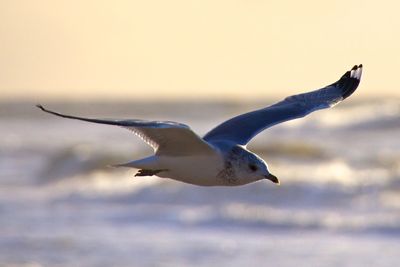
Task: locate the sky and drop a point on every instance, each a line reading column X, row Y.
column 194, row 49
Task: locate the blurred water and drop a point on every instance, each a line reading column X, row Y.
column 338, row 205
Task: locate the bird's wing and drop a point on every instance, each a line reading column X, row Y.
column 165, row 137
column 243, row 128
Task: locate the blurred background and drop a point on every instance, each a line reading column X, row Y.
column 199, row 63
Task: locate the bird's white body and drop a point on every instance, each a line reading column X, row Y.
column 221, row 157
column 197, row 169
column 226, row 165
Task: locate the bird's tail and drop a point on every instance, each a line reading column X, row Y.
column 145, row 163
column 131, row 164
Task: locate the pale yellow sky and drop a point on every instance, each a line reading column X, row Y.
column 194, row 48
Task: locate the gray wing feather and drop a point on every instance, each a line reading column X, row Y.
column 243, row 128
column 165, row 137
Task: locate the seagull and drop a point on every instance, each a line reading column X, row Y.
column 221, row 158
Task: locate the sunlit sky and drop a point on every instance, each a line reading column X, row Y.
column 81, row 49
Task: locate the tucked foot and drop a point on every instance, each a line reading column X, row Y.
column 145, row 172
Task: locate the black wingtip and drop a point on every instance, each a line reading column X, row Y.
column 350, row 81
column 41, row 107
column 346, row 75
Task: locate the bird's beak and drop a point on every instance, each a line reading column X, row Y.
column 272, row 178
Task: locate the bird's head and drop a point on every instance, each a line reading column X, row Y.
column 258, row 169
column 250, row 166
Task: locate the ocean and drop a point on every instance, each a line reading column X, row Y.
column 61, row 205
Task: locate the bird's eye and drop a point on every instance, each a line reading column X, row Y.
column 253, row 167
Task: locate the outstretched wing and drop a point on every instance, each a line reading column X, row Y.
column 165, row 137
column 243, row 128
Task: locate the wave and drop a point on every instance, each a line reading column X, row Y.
column 78, row 160
column 366, row 116
column 297, row 204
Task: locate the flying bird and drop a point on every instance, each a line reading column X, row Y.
column 221, row 158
